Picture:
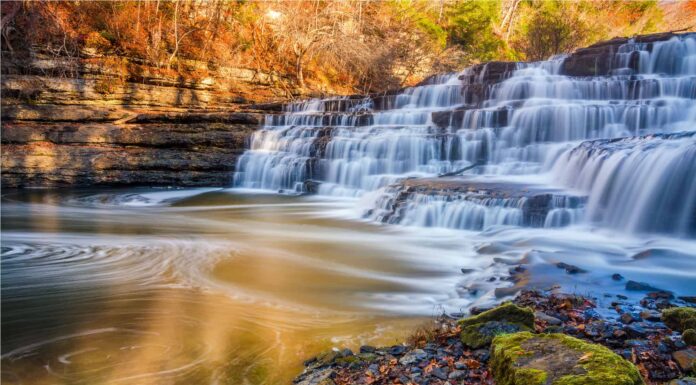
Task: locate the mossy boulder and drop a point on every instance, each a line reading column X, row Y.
column 557, row 359
column 683, row 320
column 480, row 330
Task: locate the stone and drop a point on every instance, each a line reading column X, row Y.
column 367, row 349
column 315, row 377
column 635, row 331
column 547, row 318
column 570, row 269
column 680, row 318
column 627, row 318
column 617, row 277
column 413, row 356
column 686, row 359
column 651, row 315
column 639, row 286
column 479, row 330
column 440, row 373
column 529, row 359
column 683, row 381
column 689, row 337
column 397, row 350
column 457, row 374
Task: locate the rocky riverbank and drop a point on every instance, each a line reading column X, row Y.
column 541, row 337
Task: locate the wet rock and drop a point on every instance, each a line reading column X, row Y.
column 475, row 310
column 440, row 373
column 683, row 381
column 617, row 277
column 456, row 375
column 570, row 269
column 468, row 271
column 680, row 318
column 397, row 350
column 526, row 358
column 480, row 330
column 501, row 292
column 317, row 377
column 367, row 349
column 627, row 318
column 639, row 286
column 688, row 299
column 686, row 359
column 547, row 318
column 413, row 356
column 635, row 331
column 651, row 315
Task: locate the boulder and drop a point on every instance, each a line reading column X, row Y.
column 480, row 330
column 683, row 320
column 686, row 359
column 556, row 359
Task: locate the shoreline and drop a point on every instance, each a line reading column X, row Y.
column 643, row 337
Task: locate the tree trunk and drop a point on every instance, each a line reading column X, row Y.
column 298, row 69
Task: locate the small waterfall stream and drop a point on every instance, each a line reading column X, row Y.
column 539, row 148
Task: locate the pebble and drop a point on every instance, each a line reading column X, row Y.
column 413, row 356
column 685, row 358
column 457, row 374
column 635, row 331
column 397, row 350
column 570, row 269
column 547, row 318
column 640, row 286
column 440, row 373
column 367, row 349
column 627, row 318
column 651, row 315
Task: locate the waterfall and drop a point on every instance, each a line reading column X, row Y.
column 612, row 150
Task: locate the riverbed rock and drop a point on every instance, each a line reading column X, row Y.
column 529, row 359
column 686, row 359
column 480, row 330
column 683, row 381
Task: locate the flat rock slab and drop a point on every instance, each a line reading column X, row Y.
column 556, row 359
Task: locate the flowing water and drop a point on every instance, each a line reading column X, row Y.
column 240, row 285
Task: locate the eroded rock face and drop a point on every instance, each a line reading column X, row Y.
column 538, row 359
column 73, row 154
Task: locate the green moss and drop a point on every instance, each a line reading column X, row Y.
column 507, row 318
column 689, row 337
column 507, row 312
column 680, row 318
column 517, row 359
column 530, row 376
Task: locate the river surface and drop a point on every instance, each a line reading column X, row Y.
column 227, row 286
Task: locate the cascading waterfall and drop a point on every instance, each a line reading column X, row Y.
column 613, row 149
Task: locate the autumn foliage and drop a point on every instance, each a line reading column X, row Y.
column 351, row 45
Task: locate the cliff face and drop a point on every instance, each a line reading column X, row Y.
column 65, row 124
column 158, row 152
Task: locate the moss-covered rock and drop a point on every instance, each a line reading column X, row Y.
column 507, row 318
column 689, row 336
column 556, row 359
column 683, row 320
column 680, row 318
